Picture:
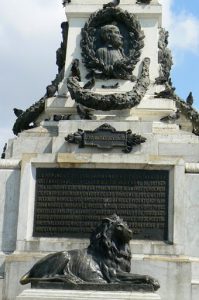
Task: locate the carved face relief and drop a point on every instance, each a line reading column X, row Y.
column 110, row 34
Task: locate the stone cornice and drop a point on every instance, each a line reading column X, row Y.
column 10, row 164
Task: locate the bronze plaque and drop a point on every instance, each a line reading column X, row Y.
column 71, row 202
column 106, row 137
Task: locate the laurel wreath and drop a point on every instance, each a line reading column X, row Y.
column 108, row 16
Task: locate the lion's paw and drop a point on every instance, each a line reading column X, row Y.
column 153, row 281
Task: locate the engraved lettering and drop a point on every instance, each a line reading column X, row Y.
column 70, row 202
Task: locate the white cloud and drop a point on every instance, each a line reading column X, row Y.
column 30, row 33
column 183, row 28
column 31, row 17
column 186, row 34
column 26, row 20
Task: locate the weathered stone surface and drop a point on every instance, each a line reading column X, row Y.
column 174, row 272
column 9, row 201
column 1, row 288
column 195, row 290
column 32, row 144
column 187, row 150
column 192, row 215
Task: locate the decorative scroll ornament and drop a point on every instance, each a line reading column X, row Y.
column 114, row 101
column 111, row 43
column 106, row 137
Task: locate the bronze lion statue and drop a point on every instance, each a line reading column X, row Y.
column 106, row 260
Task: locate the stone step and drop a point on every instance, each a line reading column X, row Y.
column 41, row 294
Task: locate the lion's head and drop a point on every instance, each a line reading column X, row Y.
column 109, row 242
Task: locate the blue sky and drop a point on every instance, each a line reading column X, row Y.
column 183, row 26
column 30, row 34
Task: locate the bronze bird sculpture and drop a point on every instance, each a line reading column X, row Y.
column 84, row 113
column 64, row 2
column 114, row 3
column 168, row 93
column 75, row 72
column 17, row 112
column 143, row 1
column 90, row 84
column 172, row 117
column 50, row 90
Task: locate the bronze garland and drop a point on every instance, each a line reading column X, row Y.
column 115, row 101
column 164, row 58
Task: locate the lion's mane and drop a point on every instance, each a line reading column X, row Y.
column 109, row 245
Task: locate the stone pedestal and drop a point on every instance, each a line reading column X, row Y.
column 37, row 294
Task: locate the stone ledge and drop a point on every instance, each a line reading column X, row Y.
column 122, row 2
column 39, row 294
column 10, row 164
column 153, row 108
column 78, row 9
column 195, row 282
column 162, row 128
column 192, row 168
column 95, row 287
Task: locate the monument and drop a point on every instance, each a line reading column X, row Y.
column 110, row 137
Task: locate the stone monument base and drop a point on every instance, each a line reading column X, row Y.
column 41, row 294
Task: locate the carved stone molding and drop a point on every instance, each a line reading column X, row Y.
column 115, row 101
column 192, row 168
column 10, row 164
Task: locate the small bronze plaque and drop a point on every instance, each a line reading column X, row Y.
column 105, row 137
column 71, row 202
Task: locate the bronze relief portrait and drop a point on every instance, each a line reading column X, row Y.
column 111, row 44
column 112, row 51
